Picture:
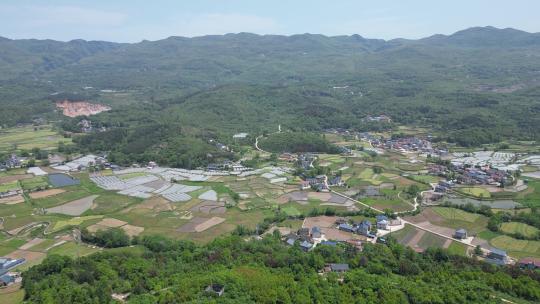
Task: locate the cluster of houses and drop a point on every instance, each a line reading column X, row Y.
column 306, row 238
column 481, row 175
column 227, row 165
column 366, row 228
column 444, row 186
column 409, row 144
column 318, row 183
column 11, row 162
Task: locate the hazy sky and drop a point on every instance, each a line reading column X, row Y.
column 134, row 20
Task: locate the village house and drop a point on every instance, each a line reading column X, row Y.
column 346, row 227
column 338, row 267
column 382, row 222
column 364, row 228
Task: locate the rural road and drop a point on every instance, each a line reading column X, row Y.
column 404, row 221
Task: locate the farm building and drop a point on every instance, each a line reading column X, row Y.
column 460, row 234
column 215, row 289
column 497, row 257
column 529, row 263
column 339, row 267
column 346, row 227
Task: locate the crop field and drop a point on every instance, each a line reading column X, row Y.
column 73, row 250
column 426, row 179
column 520, row 228
column 475, row 191
column 75, row 221
column 26, row 138
column 531, row 196
column 34, row 183
column 291, row 211
column 456, row 214
column 517, row 248
column 9, row 186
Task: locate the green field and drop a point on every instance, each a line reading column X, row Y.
column 457, row 248
column 291, row 211
column 517, row 248
column 26, row 138
column 34, row 183
column 9, row 186
column 519, row 228
column 426, row 179
column 14, row 297
column 456, row 214
column 72, row 250
column 73, row 222
column 475, row 191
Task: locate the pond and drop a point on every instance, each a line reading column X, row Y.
column 62, row 180
column 497, row 204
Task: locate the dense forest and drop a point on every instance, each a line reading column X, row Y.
column 160, row 270
column 297, row 142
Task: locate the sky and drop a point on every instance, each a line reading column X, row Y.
column 136, row 20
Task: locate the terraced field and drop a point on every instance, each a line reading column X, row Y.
column 520, row 228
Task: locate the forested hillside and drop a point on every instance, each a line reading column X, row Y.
column 476, row 86
column 267, row 271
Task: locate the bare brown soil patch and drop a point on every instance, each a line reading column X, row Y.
column 111, row 222
column 80, row 108
column 320, row 196
column 427, row 215
column 413, row 243
column 31, row 243
column 320, row 221
column 155, row 203
column 132, row 230
column 95, row 228
column 209, row 223
column 210, row 207
column 190, row 226
column 12, row 200
column 46, row 193
column 29, row 256
column 12, row 178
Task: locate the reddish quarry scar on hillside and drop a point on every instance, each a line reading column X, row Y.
column 80, row 108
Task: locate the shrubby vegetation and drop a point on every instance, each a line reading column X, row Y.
column 267, row 271
column 297, row 142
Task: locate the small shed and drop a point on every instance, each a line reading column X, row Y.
column 460, row 234
column 215, row 289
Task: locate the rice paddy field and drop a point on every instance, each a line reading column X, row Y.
column 28, row 137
